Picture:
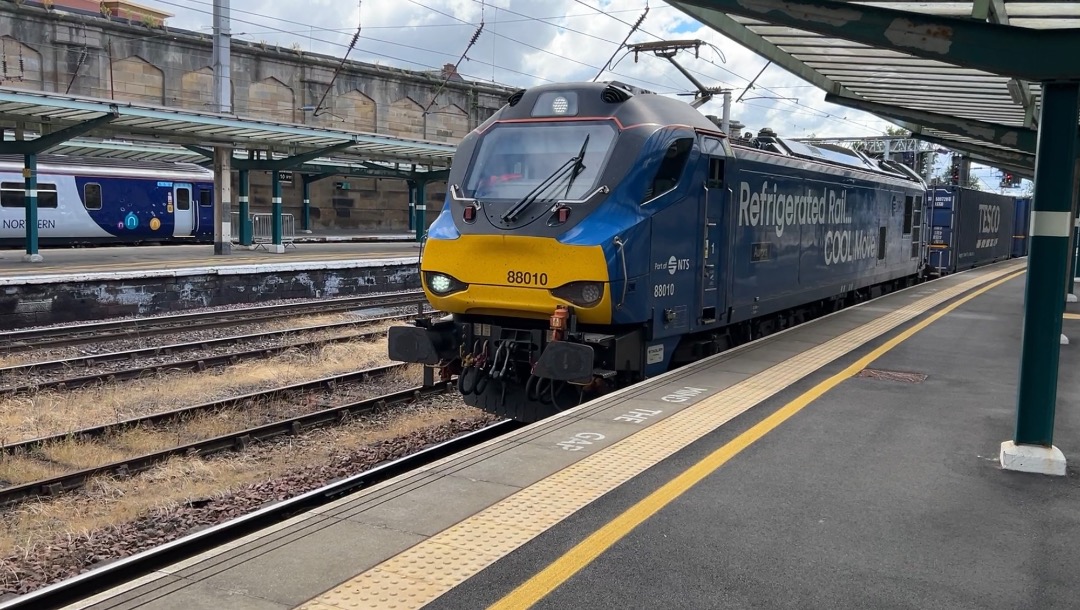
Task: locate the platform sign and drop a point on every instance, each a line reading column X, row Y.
column 285, row 177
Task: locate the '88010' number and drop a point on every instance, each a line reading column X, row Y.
column 526, row 278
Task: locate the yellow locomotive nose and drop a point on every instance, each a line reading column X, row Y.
column 516, row 276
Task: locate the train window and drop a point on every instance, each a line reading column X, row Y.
column 671, row 168
column 92, row 196
column 881, row 244
column 183, row 199
column 909, row 206
column 206, row 198
column 13, row 195
column 716, row 173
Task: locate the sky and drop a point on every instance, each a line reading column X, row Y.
column 524, row 43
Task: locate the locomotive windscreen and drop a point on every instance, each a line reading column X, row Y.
column 513, row 160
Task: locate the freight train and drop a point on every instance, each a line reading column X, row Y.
column 107, row 201
column 595, row 235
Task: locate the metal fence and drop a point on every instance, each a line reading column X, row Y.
column 262, row 225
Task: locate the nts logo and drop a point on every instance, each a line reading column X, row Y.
column 677, row 264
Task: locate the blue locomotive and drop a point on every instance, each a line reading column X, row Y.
column 107, row 201
column 595, row 235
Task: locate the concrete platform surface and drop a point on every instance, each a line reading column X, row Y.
column 882, row 493
column 113, row 259
column 772, row 476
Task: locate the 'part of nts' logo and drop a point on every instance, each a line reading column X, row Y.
column 677, row 264
column 989, row 218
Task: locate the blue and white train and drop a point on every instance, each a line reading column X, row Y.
column 108, row 201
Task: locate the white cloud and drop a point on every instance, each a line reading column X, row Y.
column 530, row 42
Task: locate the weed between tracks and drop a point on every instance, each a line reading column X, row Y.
column 57, row 412
column 180, row 336
column 41, row 536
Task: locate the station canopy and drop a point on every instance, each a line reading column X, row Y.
column 107, row 128
column 963, row 75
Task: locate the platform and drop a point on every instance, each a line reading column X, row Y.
column 100, row 283
column 776, row 475
column 107, row 261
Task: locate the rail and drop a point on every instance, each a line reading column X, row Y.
column 130, row 568
column 234, row 440
column 92, row 332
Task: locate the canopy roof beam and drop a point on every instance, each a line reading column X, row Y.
column 1020, row 138
column 1019, row 163
column 45, row 142
column 1024, row 53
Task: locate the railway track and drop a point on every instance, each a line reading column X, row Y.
column 234, row 440
column 93, row 332
column 199, row 363
column 128, row 569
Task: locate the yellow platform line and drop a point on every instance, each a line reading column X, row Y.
column 429, row 569
column 1072, row 316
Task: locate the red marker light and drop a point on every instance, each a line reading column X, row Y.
column 469, row 214
column 564, row 215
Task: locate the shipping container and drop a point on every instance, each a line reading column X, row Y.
column 968, row 228
column 1020, row 227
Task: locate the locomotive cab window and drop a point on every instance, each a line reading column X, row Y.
column 13, row 195
column 671, row 168
column 92, row 196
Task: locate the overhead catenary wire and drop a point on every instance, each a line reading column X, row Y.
column 352, row 45
column 461, row 22
column 464, row 54
column 633, row 29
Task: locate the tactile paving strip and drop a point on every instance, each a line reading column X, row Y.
column 429, row 569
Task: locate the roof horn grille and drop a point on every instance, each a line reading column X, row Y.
column 515, row 97
column 615, row 95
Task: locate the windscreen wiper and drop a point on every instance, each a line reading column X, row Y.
column 571, row 163
column 579, row 165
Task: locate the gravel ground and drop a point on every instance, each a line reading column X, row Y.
column 72, row 455
column 68, row 554
column 110, row 346
column 262, row 341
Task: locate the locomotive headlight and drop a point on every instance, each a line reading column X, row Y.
column 556, row 103
column 560, row 105
column 442, row 284
column 582, row 294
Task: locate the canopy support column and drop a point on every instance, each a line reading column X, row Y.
column 1032, row 449
column 30, row 200
column 245, row 209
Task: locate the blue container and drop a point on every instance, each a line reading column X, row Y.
column 1020, row 227
column 968, row 229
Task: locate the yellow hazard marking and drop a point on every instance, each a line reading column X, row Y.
column 1072, row 316
column 537, row 587
column 431, row 568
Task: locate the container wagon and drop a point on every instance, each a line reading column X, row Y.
column 968, row 229
column 1020, row 227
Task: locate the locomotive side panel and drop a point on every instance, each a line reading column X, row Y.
column 800, row 235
